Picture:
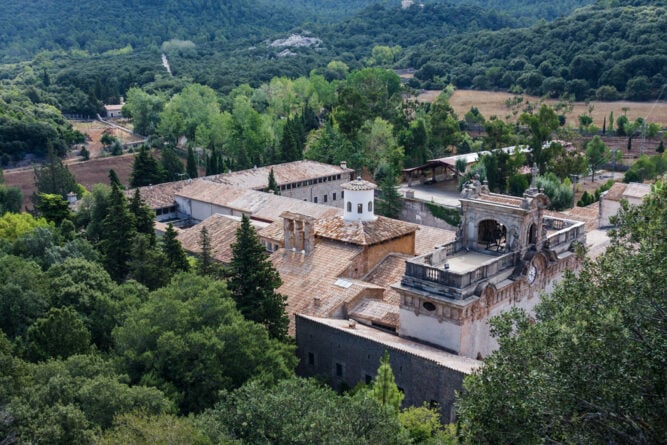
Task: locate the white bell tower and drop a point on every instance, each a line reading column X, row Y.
column 359, row 200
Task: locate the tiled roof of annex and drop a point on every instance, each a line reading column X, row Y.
column 383, row 311
column 362, row 233
column 222, row 233
column 287, row 173
column 427, row 238
column 260, row 205
column 448, row 360
column 160, row 195
column 306, row 277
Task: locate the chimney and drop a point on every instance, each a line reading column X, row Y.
column 317, row 301
column 351, row 324
column 343, row 165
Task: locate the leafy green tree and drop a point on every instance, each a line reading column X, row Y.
column 60, row 334
column 144, row 109
column 541, row 125
column 384, row 388
column 590, row 370
column 23, row 296
column 597, row 153
column 422, row 424
column 166, row 429
column 11, row 199
column 14, row 225
column 195, row 105
column 87, row 288
column 53, row 207
column 148, row 265
column 189, row 340
column 253, row 281
column 299, row 411
column 70, row 401
column 176, row 259
column 145, row 169
column 445, row 130
column 560, row 193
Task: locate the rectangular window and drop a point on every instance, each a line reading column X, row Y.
column 342, row 194
column 339, row 370
column 333, row 197
column 326, row 197
column 311, row 359
column 337, row 176
column 315, row 200
column 282, row 187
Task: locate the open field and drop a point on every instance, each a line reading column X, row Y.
column 94, row 131
column 492, row 103
column 87, row 173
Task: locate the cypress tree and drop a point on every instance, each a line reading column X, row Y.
column 661, row 147
column 144, row 217
column 273, row 185
column 205, row 264
column 170, row 165
column 176, row 258
column 118, row 232
column 391, row 203
column 253, row 281
column 191, row 167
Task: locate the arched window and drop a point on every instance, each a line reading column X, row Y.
column 370, row 206
column 360, row 208
column 349, row 206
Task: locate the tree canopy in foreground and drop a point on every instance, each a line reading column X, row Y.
column 592, row 369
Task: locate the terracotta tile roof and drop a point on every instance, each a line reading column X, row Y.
column 389, row 271
column 274, row 232
column 160, row 195
column 210, row 192
column 589, row 215
column 359, row 184
column 377, row 311
column 637, row 190
column 616, row 192
column 260, row 205
column 290, row 172
column 428, row 237
column 455, row 362
column 306, row 277
column 362, row 233
column 222, row 232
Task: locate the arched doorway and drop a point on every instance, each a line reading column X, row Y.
column 532, row 234
column 491, row 235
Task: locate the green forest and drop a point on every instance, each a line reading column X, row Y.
column 109, row 334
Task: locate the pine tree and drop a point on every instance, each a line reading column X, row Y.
column 191, row 167
column 144, row 217
column 309, row 118
column 145, row 169
column 384, row 388
column 253, row 281
column 170, row 165
column 273, row 185
column 118, row 232
column 53, row 178
column 288, row 143
column 176, row 258
column 148, row 264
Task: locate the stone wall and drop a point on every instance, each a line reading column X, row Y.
column 416, row 211
column 344, row 359
column 325, row 192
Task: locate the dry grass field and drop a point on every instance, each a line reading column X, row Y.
column 492, row 103
column 87, row 173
